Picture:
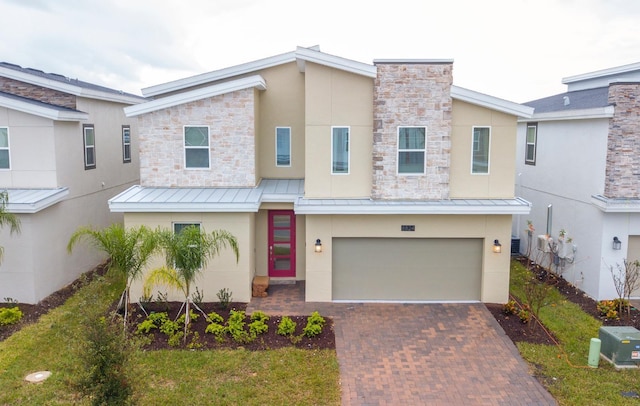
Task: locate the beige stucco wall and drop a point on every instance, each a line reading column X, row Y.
column 31, row 150
column 495, row 267
column 221, row 272
column 337, row 98
column 500, row 182
column 281, row 105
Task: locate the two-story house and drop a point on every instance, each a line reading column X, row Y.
column 578, row 163
column 371, row 182
column 66, row 147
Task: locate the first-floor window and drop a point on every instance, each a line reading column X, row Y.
column 5, row 162
column 480, row 150
column 182, row 258
column 89, row 146
column 126, row 144
column 178, row 227
column 412, row 150
column 283, row 146
column 196, row 146
column 340, row 150
column 531, row 144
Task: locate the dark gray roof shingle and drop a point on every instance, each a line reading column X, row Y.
column 578, row 100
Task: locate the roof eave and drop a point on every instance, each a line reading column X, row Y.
column 255, row 81
column 602, row 73
column 616, row 205
column 582, row 114
column 68, row 87
column 304, row 55
column 183, row 207
column 221, row 74
column 42, row 111
column 491, row 102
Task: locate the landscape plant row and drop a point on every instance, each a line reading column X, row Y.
column 238, row 327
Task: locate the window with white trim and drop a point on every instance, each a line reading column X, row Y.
column 5, row 161
column 531, row 144
column 412, row 142
column 126, row 144
column 339, row 150
column 196, row 146
column 480, row 150
column 283, row 146
column 89, row 139
column 178, row 227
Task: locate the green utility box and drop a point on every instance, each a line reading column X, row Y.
column 620, row 345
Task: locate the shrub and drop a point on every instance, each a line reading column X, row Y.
column 259, row 315
column 198, row 297
column 224, row 296
column 524, row 315
column 170, row 327
column 510, row 307
column 175, row 339
column 192, row 316
column 214, row 317
column 609, row 308
column 314, row 326
column 10, row 315
column 153, row 320
column 105, row 356
column 235, row 326
column 286, row 327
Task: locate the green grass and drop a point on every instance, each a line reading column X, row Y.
column 564, row 370
column 286, row 376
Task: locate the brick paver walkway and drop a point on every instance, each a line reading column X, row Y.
column 418, row 354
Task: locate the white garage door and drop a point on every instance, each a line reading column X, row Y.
column 407, row 269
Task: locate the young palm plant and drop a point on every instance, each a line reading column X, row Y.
column 6, row 218
column 187, row 254
column 129, row 251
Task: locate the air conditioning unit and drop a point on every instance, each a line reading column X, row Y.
column 620, row 345
column 543, row 243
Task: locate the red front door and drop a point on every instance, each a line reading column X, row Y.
column 282, row 243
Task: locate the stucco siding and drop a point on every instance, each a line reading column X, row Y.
column 499, row 182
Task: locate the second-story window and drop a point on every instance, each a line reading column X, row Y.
column 283, row 146
column 531, row 144
column 412, row 150
column 5, row 162
column 340, row 150
column 89, row 137
column 480, row 150
column 126, row 144
column 196, row 146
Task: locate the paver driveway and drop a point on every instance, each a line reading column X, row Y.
column 419, row 354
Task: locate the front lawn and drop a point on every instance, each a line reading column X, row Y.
column 221, row 377
column 563, row 369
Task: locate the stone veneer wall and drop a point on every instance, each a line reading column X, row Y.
column 232, row 144
column 412, row 94
column 38, row 93
column 623, row 153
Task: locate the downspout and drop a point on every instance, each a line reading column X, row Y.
column 549, row 218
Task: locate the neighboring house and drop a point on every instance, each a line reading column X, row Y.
column 66, row 147
column 378, row 182
column 579, row 166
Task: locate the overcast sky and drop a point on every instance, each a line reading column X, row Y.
column 517, row 50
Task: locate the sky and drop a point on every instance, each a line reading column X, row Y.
column 518, row 50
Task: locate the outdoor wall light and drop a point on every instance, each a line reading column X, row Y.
column 318, row 247
column 617, row 244
column 497, row 247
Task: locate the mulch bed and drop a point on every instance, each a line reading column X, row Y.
column 265, row 341
column 533, row 333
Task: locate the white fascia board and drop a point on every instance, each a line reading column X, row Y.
column 310, row 55
column 582, row 114
column 616, row 205
column 198, row 94
column 221, row 74
column 521, row 208
column 34, row 207
column 600, row 73
column 42, row 111
column 491, row 102
column 129, row 207
column 68, row 87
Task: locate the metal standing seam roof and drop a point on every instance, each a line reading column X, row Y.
column 166, row 199
column 34, row 200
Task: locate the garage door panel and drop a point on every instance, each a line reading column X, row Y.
column 406, row 269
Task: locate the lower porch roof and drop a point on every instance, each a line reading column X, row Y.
column 142, row 199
